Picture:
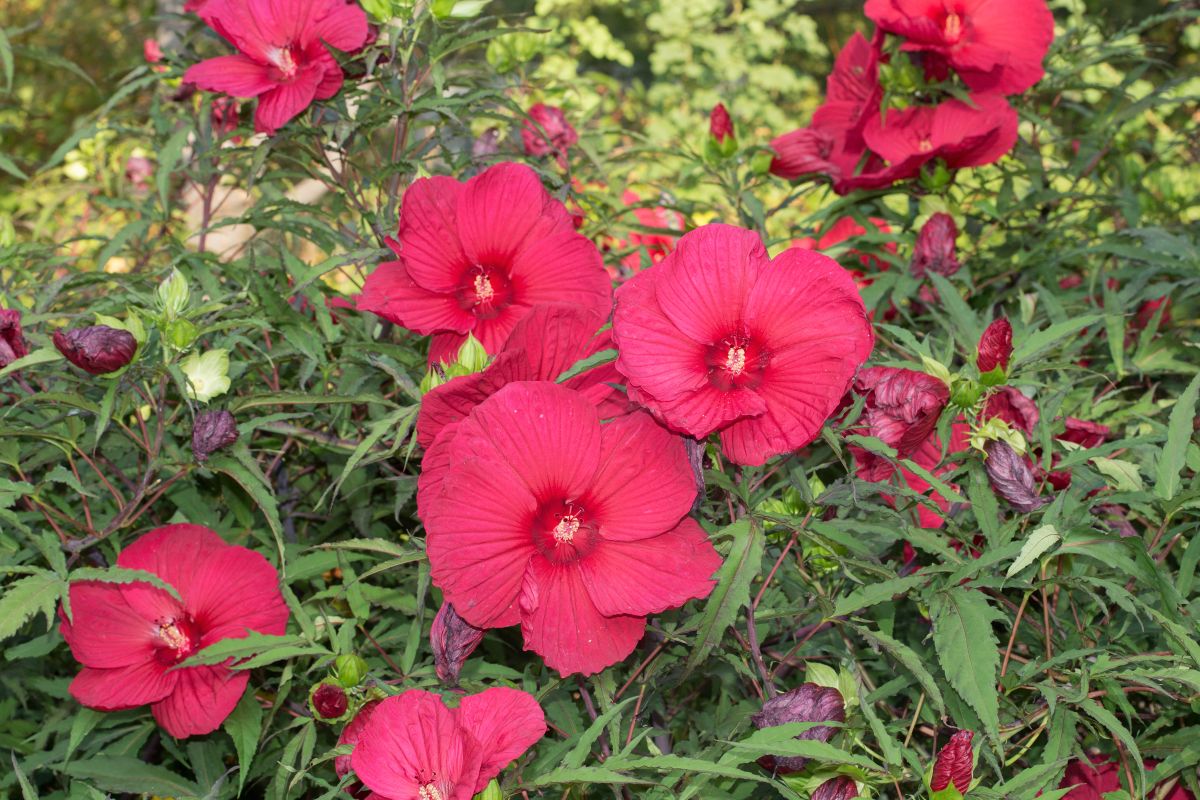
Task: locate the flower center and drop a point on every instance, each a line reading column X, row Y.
column 484, row 291
column 952, row 27
column 284, row 62
column 177, row 639
column 562, row 532
column 925, row 146
column 736, row 362
column 429, row 792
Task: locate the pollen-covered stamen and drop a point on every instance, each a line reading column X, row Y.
column 429, row 792
column 566, row 529
column 483, row 289
column 171, row 635
column 952, row 27
column 924, row 145
column 735, row 361
column 177, row 639
column 283, row 60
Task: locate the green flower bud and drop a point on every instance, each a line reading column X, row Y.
column 760, row 162
column 180, row 334
column 966, row 393
column 936, row 176
column 173, row 295
column 490, row 792
column 350, row 669
column 472, row 356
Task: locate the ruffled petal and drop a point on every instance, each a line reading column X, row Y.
column 561, row 623
column 562, row 268
column 505, row 723
column 644, row 485
column 435, row 468
column 279, row 106
column 124, row 687
column 428, row 234
column 203, row 698
column 343, row 25
column 649, row 576
column 503, row 210
column 390, row 292
column 236, row 591
column 108, row 632
column 235, row 75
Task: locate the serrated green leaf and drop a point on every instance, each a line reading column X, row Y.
column 732, row 593
column 244, row 726
column 967, row 649
column 128, row 774
column 873, row 593
column 123, row 575
column 25, row 597
column 1039, row 342
column 584, row 364
column 909, row 660
column 1038, row 542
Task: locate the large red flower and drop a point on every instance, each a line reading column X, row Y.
column 283, row 54
column 994, row 45
column 131, row 637
column 719, row 337
column 474, row 257
column 542, row 346
column 412, row 747
column 536, row 514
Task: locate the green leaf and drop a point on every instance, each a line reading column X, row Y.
column 741, row 567
column 26, row 597
column 6, row 61
column 583, row 746
column 1041, row 341
column 1124, row 474
column 780, row 740
column 967, row 649
column 42, row 356
column 874, row 593
column 123, row 575
column 135, row 229
column 128, row 774
column 909, row 660
column 1038, row 542
column 1179, row 434
column 585, row 776
column 244, row 726
column 27, row 790
column 256, row 486
column 584, row 364
column 256, row 649
column 168, row 158
column 10, row 166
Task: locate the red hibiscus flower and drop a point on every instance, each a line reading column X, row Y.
column 1013, row 407
column 351, row 734
column 283, row 54
column 994, row 45
column 952, row 131
column 577, row 531
column 12, row 340
column 131, row 637
column 1103, row 775
column 474, row 257
column 655, row 245
column 412, row 746
column 547, row 132
column 844, row 230
column 719, row 337
column 542, row 346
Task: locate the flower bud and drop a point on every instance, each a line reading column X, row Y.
column 802, row 152
column 1011, row 477
column 180, row 333
column 350, row 669
column 965, row 393
column 208, row 374
column 486, row 144
column 173, row 294
column 212, row 431
column 12, row 340
column 934, row 251
column 138, row 171
column 547, row 132
column 720, row 124
column 453, row 640
column 995, row 348
column 839, row 788
column 472, row 356
column 223, row 115
column 952, row 771
column 151, row 51
column 98, row 349
column 808, row 702
column 328, row 701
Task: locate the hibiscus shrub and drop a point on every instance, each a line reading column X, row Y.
column 419, row 401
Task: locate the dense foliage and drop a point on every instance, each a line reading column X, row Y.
column 965, row 564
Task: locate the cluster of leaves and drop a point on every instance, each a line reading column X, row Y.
column 1047, row 633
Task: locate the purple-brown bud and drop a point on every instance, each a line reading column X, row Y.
column 486, row 144
column 329, row 701
column 808, row 702
column 839, row 788
column 1011, row 477
column 453, row 640
column 720, row 124
column 954, row 764
column 213, row 431
column 995, row 346
column 12, row 340
column 934, row 251
column 547, row 132
column 98, row 349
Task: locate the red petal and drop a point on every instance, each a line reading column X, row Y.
column 108, row 632
column 644, row 485
column 202, row 699
column 649, row 576
column 428, row 234
column 561, row 623
column 343, row 25
column 279, row 106
column 234, row 75
column 390, row 292
column 503, row 210
column 704, row 283
column 562, row 268
column 505, row 723
column 125, row 687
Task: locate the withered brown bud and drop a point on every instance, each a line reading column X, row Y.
column 98, row 349
column 1012, row 477
column 808, row 702
column 453, row 640
column 213, row 431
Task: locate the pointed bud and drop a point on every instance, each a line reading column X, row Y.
column 995, row 347
column 953, row 768
column 212, row 431
column 1011, row 477
column 12, row 340
column 720, row 124
column 472, row 356
column 453, row 640
column 98, row 349
column 934, row 251
column 350, row 669
column 486, row 144
column 547, row 132
column 151, row 51
column 328, row 701
column 173, row 295
column 965, row 392
column 839, row 788
column 808, row 702
column 803, row 152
